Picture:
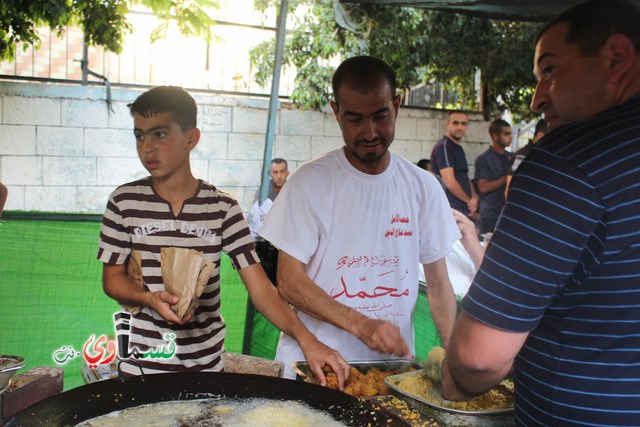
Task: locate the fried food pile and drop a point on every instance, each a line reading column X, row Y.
column 364, row 384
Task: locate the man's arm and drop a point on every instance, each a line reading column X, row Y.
column 506, row 190
column 475, row 199
column 478, row 358
column 4, row 192
column 266, row 299
column 469, row 238
column 299, row 290
column 442, row 301
column 453, row 186
column 117, row 284
column 485, row 186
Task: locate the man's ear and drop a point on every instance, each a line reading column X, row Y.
column 335, row 107
column 621, row 56
column 396, row 103
column 194, row 138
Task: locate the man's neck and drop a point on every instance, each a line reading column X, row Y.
column 498, row 148
column 457, row 141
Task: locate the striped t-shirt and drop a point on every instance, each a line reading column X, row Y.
column 211, row 221
column 564, row 265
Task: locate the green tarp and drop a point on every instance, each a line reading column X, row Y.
column 51, row 297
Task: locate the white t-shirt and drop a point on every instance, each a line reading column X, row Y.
column 460, row 268
column 360, row 237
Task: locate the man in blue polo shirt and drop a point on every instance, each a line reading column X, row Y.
column 557, row 297
column 492, row 168
column 449, row 161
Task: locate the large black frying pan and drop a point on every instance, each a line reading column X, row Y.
column 92, row 400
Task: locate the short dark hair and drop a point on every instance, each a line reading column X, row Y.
column 362, row 73
column 452, row 112
column 495, row 127
column 592, row 22
column 167, row 99
column 279, row 160
column 423, row 163
column 541, row 126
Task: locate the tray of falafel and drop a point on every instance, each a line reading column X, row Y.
column 406, row 380
column 366, row 377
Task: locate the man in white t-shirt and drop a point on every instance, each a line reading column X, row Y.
column 351, row 225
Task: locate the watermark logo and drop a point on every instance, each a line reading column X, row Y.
column 103, row 350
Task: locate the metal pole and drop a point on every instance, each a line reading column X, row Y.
column 84, row 63
column 268, row 148
column 281, row 31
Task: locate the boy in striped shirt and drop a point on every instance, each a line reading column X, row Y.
column 171, row 208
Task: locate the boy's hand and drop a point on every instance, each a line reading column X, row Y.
column 161, row 302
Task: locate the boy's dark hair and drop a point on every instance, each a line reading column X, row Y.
column 362, row 73
column 495, row 127
column 167, row 99
column 592, row 22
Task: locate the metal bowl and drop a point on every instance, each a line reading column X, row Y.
column 8, row 367
column 449, row 416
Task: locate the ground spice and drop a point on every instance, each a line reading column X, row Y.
column 402, row 409
column 499, row 397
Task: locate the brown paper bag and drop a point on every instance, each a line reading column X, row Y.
column 134, row 271
column 185, row 272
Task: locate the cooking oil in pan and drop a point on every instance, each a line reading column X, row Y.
column 225, row 412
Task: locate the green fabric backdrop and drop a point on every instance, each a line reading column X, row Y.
column 51, row 296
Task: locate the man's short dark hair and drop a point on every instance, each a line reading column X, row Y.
column 362, row 73
column 279, row 161
column 452, row 112
column 495, row 127
column 423, row 163
column 592, row 22
column 167, row 99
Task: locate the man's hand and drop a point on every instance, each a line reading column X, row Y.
column 472, row 205
column 318, row 355
column 382, row 336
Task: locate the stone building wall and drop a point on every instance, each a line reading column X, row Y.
column 63, row 150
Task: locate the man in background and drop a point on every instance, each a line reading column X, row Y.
column 424, row 164
column 450, row 162
column 278, row 174
column 540, row 130
column 491, row 174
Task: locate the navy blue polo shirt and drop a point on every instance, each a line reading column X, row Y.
column 564, row 267
column 448, row 154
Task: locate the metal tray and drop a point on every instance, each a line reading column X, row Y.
column 304, row 372
column 449, row 416
column 8, row 366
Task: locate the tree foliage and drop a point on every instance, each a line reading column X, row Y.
column 422, row 46
column 104, row 22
